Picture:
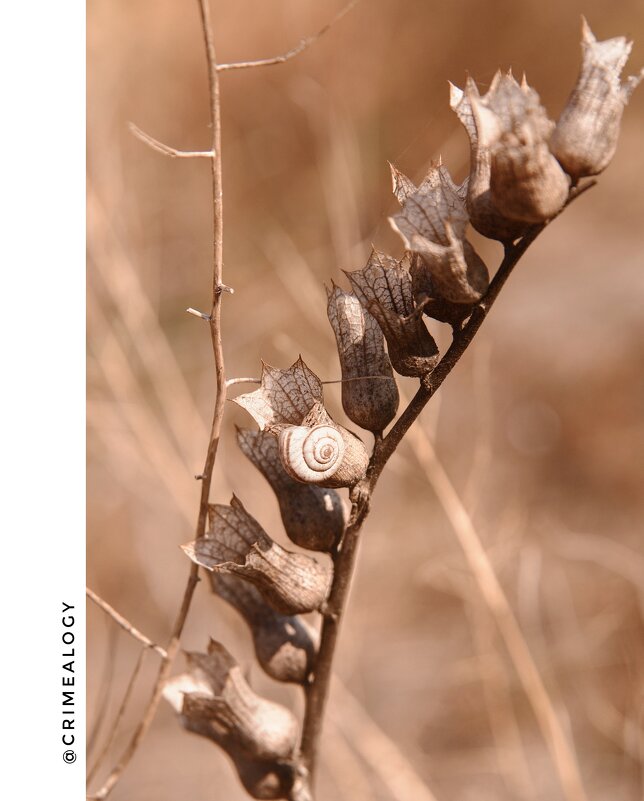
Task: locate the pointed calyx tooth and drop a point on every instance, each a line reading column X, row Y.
column 285, row 645
column 313, row 516
column 319, row 451
column 284, row 396
column 585, row 138
column 235, row 543
column 432, row 223
column 214, row 701
column 526, row 181
column 288, row 404
column 483, row 213
column 369, row 391
column 384, row 289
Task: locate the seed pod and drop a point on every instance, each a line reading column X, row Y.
column 483, row 213
column 285, row 646
column 370, row 402
column 321, row 452
column 235, row 543
column 585, row 138
column 216, row 692
column 384, row 289
column 432, row 223
column 313, row 516
column 526, row 180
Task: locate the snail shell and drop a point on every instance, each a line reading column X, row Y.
column 311, row 455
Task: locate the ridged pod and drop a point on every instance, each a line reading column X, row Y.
column 285, row 645
column 432, row 224
column 289, row 582
column 384, row 289
column 313, row 516
column 483, row 213
column 214, row 701
column 526, row 181
column 585, row 138
column 369, row 391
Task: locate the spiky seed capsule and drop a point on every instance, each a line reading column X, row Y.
column 585, row 138
column 313, row 516
column 235, row 543
column 285, row 645
column 369, row 392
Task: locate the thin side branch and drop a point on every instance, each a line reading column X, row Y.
column 303, row 45
column 125, row 624
column 166, row 150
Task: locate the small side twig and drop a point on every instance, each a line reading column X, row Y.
column 166, row 150
column 125, row 624
column 303, row 45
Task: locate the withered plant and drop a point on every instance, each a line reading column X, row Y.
column 524, row 171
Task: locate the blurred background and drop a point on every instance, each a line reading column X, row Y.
column 540, row 428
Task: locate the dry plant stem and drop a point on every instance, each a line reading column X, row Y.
column 119, row 717
column 124, row 623
column 294, row 51
column 220, row 379
column 344, row 558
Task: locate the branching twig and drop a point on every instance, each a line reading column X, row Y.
column 166, row 150
column 303, row 45
column 125, row 624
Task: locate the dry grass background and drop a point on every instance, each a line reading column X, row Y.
column 541, row 427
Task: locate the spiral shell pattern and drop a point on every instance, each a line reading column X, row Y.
column 311, row 455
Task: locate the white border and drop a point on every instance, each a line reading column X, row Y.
column 42, row 357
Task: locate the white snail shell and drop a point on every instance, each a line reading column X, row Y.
column 311, row 455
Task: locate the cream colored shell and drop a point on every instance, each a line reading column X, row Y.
column 313, row 454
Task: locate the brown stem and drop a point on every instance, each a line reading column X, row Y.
column 218, row 413
column 317, row 691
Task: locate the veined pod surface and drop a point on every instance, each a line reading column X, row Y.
column 384, row 289
column 482, row 210
column 586, row 135
column 369, row 391
column 285, row 645
column 216, row 692
column 235, row 543
column 313, row 516
column 432, row 224
column 526, row 181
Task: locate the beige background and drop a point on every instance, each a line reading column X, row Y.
column 541, row 427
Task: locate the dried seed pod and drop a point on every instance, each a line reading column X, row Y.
column 384, row 289
column 526, row 180
column 585, row 138
column 293, row 398
column 369, row 391
column 483, row 213
column 320, row 451
column 431, row 302
column 285, row 645
column 214, row 701
column 432, row 223
column 313, row 516
column 235, row 543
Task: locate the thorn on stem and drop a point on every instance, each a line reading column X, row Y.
column 197, row 313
